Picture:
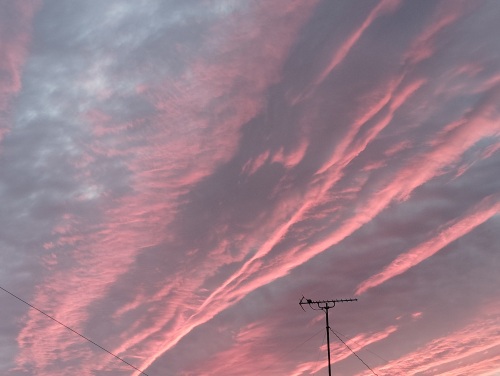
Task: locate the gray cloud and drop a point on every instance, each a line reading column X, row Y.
column 176, row 175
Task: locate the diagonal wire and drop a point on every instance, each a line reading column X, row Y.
column 322, row 343
column 302, row 343
column 296, row 347
column 74, row 331
column 346, row 345
column 357, row 343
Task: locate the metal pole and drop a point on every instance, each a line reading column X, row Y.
column 328, row 341
column 324, row 305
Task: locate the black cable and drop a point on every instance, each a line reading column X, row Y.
column 371, row 352
column 322, row 343
column 296, row 347
column 346, row 345
column 74, row 331
column 302, row 343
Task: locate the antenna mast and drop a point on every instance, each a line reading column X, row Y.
column 324, row 305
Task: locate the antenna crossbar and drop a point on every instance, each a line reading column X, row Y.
column 324, row 305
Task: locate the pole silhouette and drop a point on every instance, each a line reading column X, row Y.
column 324, row 305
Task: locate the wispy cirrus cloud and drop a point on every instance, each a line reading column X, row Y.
column 15, row 33
column 176, row 173
column 486, row 209
column 460, row 346
column 339, row 352
column 127, row 220
column 382, row 8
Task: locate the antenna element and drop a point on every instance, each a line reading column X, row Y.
column 324, row 305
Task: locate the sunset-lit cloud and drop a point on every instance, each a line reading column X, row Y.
column 486, row 209
column 441, row 355
column 16, row 28
column 176, row 175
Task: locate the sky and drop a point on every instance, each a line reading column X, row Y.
column 175, row 175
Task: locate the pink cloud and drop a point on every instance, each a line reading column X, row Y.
column 15, row 46
column 488, row 367
column 196, row 130
column 346, row 151
column 292, row 157
column 317, row 194
column 461, row 346
column 252, row 166
column 251, row 352
column 383, row 7
column 424, row 45
column 403, row 145
column 340, row 352
column 450, row 232
column 253, row 275
column 254, row 351
column 161, row 165
column 490, row 150
column 374, row 166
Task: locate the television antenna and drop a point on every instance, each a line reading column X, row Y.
column 324, row 305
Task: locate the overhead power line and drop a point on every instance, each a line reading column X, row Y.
column 74, row 331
